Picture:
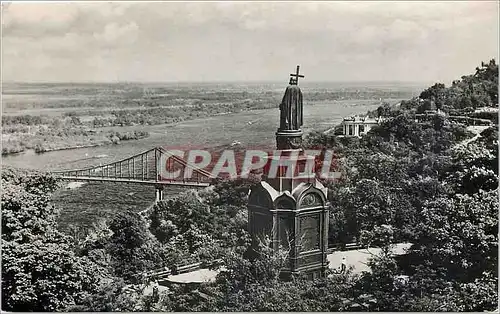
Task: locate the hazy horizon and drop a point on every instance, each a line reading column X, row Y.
column 15, row 88
column 220, row 42
column 282, row 82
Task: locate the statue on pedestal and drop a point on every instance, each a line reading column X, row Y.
column 289, row 134
column 291, row 114
column 291, row 210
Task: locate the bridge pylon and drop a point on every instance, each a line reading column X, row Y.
column 159, row 192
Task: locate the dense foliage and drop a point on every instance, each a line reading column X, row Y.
column 203, row 226
column 433, row 183
column 40, row 270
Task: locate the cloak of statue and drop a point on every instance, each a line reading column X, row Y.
column 291, row 116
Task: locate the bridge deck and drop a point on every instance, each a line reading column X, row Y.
column 125, row 180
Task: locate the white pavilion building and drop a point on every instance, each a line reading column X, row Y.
column 358, row 126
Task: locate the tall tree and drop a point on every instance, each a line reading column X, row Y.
column 40, row 271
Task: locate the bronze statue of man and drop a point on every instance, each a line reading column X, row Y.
column 291, row 115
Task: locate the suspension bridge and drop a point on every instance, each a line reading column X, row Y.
column 142, row 168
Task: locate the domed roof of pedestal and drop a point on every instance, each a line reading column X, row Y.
column 294, row 198
column 262, row 195
column 304, row 189
column 285, row 198
column 272, row 192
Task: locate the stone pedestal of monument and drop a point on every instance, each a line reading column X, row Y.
column 293, row 213
column 286, row 139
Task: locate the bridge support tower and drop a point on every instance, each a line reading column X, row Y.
column 159, row 192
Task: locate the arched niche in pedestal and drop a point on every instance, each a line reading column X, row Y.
column 285, row 206
column 311, row 229
column 260, row 217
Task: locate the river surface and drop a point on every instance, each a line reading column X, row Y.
column 82, row 205
column 251, row 128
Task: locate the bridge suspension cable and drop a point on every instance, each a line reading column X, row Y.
column 141, row 168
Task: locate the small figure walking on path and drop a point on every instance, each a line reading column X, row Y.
column 343, row 265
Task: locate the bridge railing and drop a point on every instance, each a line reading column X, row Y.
column 141, row 167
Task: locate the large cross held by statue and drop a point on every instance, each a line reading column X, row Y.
column 294, row 80
column 291, row 115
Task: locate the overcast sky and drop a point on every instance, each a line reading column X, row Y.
column 247, row 41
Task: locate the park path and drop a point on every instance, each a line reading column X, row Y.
column 358, row 259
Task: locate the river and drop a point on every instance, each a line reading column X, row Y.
column 83, row 205
column 251, row 128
